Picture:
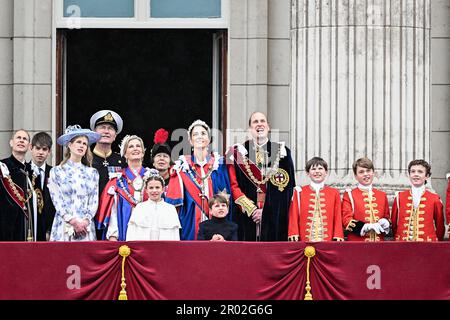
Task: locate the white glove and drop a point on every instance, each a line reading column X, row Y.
column 366, row 228
column 377, row 228
column 384, row 224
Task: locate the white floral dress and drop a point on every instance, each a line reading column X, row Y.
column 74, row 191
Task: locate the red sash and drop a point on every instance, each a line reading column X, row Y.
column 11, row 194
column 194, row 191
column 239, row 159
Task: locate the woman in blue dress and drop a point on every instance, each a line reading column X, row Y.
column 194, row 179
column 73, row 187
column 123, row 191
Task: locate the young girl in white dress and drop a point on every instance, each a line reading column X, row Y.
column 154, row 219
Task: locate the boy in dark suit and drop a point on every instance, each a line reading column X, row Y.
column 41, row 146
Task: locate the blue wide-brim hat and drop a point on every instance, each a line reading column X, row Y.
column 75, row 131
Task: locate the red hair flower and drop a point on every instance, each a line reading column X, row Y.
column 161, row 136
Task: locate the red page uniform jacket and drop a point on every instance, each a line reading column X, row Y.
column 424, row 223
column 358, row 208
column 315, row 217
column 447, row 205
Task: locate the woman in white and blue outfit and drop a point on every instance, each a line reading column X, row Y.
column 73, row 187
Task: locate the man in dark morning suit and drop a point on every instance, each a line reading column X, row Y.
column 14, row 191
column 41, row 146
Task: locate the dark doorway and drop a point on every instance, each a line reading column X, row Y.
column 152, row 78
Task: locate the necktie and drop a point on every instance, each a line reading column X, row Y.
column 42, row 174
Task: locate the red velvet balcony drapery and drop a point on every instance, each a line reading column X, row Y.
column 196, row 270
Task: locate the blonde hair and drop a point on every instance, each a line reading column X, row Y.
column 126, row 140
column 86, row 159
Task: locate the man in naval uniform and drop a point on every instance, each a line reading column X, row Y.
column 109, row 124
column 262, row 181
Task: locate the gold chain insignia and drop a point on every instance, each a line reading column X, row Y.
column 280, row 179
column 40, row 200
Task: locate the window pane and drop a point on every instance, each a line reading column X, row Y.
column 185, row 8
column 99, row 8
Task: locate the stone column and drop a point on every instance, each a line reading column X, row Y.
column 259, row 66
column 361, row 85
column 248, row 54
column 32, row 58
column 6, row 75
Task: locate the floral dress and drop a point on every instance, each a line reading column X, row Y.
column 74, row 191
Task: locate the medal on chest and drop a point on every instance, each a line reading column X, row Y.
column 280, row 179
column 138, row 184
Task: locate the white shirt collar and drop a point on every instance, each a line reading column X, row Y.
column 34, row 165
column 417, row 194
column 317, row 186
column 262, row 144
column 365, row 188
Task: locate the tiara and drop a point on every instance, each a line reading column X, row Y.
column 198, row 123
column 123, row 143
column 153, row 173
column 224, row 194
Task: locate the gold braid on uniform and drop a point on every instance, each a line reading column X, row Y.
column 351, row 225
column 247, row 205
column 16, row 192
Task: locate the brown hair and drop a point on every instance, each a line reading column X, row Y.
column 253, row 113
column 218, row 198
column 420, row 162
column 363, row 163
column 154, row 178
column 42, row 139
column 316, row 161
column 86, row 159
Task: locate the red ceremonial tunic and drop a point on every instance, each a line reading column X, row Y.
column 360, row 207
column 447, row 205
column 315, row 217
column 426, row 223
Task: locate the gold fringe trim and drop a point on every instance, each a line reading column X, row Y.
column 309, row 253
column 124, row 251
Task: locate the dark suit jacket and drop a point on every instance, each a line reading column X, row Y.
column 45, row 218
